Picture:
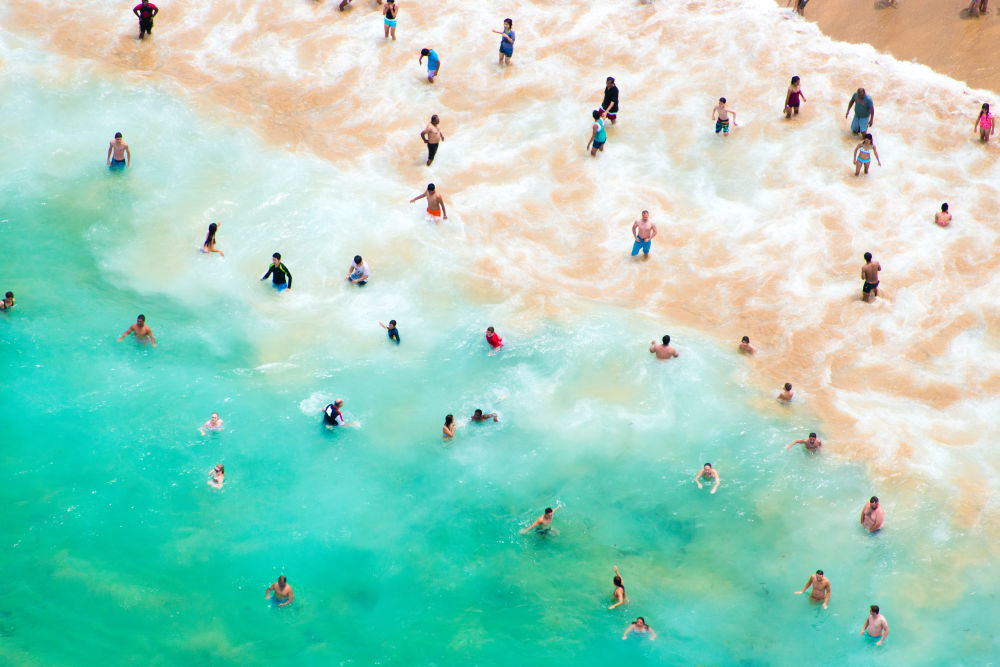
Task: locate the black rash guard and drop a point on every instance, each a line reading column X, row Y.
column 278, row 274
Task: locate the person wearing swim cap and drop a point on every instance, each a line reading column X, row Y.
column 145, row 10
column 280, row 276
column 140, row 330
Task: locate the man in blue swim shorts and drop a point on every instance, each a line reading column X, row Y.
column 643, row 231
column 864, row 112
column 119, row 155
column 433, row 63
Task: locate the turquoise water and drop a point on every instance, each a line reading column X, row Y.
column 401, row 549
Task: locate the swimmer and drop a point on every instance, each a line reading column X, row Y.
column 478, row 416
column 8, row 301
column 145, row 11
column 943, row 217
column 389, row 13
column 217, row 476
column 435, row 202
column 506, row 42
column 869, row 274
column 663, row 351
column 283, row 595
column 707, row 473
column 876, row 625
column 433, row 63
column 786, row 395
column 448, row 430
column 619, row 595
column 332, row 417
column 213, row 424
column 141, row 331
column 358, row 272
column 812, row 443
column 281, row 277
column 640, row 628
column 985, row 123
column 745, row 347
column 119, row 154
column 493, row 338
column 792, row 98
column 392, row 330
column 863, row 154
column 543, row 524
column 872, row 515
column 597, row 134
column 209, row 244
column 820, row 588
column 643, row 232
column 432, row 136
column 864, row 112
column 609, row 106
column 720, row 114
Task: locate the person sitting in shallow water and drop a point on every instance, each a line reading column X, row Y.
column 218, row 476
column 213, row 424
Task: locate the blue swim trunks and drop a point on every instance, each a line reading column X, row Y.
column 641, row 245
column 598, row 144
column 860, row 124
column 722, row 126
column 117, row 165
column 390, row 22
column 281, row 287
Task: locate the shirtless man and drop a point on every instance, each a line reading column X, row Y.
column 820, row 588
column 746, row 347
column 283, row 595
column 543, row 524
column 663, row 351
column 478, row 416
column 720, row 114
column 119, row 155
column 141, row 331
column 432, row 136
column 876, row 625
column 812, row 443
column 213, row 424
column 786, row 395
column 435, row 202
column 708, row 473
column 869, row 274
column 872, row 515
column 643, row 232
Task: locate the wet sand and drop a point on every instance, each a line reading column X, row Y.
column 938, row 33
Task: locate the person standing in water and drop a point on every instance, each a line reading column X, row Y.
column 543, row 524
column 506, row 41
column 358, row 272
column 820, row 588
column 985, row 123
column 433, row 63
column 786, row 395
column 435, row 202
column 943, row 218
column 978, row 8
column 432, row 136
column 391, row 330
column 792, row 98
column 209, row 244
column 745, row 347
column 493, row 338
column 643, row 232
column 863, row 154
column 389, row 13
column 876, row 625
column 281, row 277
column 872, row 515
column 708, row 473
column 283, row 595
column 448, row 430
column 609, row 105
column 720, row 114
column 640, row 628
column 619, row 595
column 213, row 424
column 140, row 330
column 597, row 134
column 218, row 476
column 8, row 302
column 812, row 443
column 869, row 274
column 663, row 351
column 145, row 11
column 864, row 111
column 119, row 155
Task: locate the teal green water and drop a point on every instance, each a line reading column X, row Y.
column 401, row 549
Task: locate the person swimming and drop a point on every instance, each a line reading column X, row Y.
column 640, row 628
column 332, row 416
column 218, row 476
column 209, row 245
column 619, row 594
column 479, row 416
column 283, row 595
column 543, row 524
column 213, row 424
column 8, row 301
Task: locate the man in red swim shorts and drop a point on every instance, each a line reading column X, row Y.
column 435, row 202
column 146, row 10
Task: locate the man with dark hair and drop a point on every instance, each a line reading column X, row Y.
column 433, row 63
column 8, row 301
column 145, row 11
column 872, row 515
column 869, row 274
column 609, row 107
column 876, row 625
column 662, row 351
column 820, row 588
column 543, row 524
column 812, row 443
column 140, row 330
column 864, row 111
column 119, row 155
column 435, row 202
column 745, row 346
column 281, row 277
column 786, row 395
column 358, row 272
column 283, row 595
column 478, row 416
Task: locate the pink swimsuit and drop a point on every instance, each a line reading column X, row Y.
column 986, row 121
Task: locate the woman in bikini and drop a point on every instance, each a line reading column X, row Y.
column 448, row 430
column 619, row 594
column 985, row 123
column 863, row 154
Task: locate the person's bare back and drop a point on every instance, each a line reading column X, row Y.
column 663, row 351
column 869, row 273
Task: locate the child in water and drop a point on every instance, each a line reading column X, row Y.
column 863, row 154
column 943, row 217
column 209, row 244
column 792, row 98
column 720, row 114
column 391, row 330
column 985, row 123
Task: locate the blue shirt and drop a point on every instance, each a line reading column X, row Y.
column 863, row 107
column 433, row 62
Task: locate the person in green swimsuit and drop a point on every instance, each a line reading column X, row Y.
column 597, row 135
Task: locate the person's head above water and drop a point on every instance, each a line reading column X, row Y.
column 788, row 386
column 708, row 466
column 868, row 257
column 873, row 609
column 861, row 92
column 392, row 324
column 276, row 258
column 220, row 469
column 618, row 581
column 118, row 135
column 944, row 208
column 640, row 621
column 868, row 137
column 338, row 402
column 666, row 340
column 986, row 107
column 812, row 436
column 819, row 572
column 449, row 420
column 645, row 216
column 610, row 82
column 548, row 511
column 489, row 330
column 141, row 319
column 874, row 501
column 8, row 295
column 212, row 228
column 426, row 52
column 357, row 259
column 722, row 100
column 435, row 120
column 478, row 412
column 746, row 339
column 282, row 580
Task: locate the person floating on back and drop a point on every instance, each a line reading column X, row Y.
column 432, row 136
column 145, row 10
column 433, row 63
column 391, row 330
column 609, row 105
column 869, row 274
column 281, row 277
column 119, row 155
column 943, row 217
column 358, row 272
column 209, row 245
column 493, row 338
column 792, row 98
column 140, row 330
column 435, row 202
column 985, row 123
column 506, row 41
column 598, row 135
column 720, row 114
column 863, row 154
